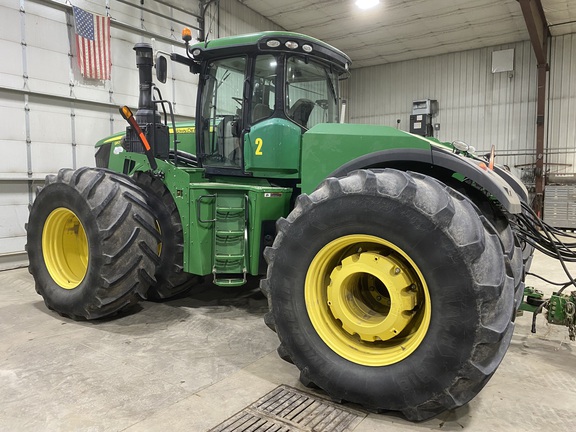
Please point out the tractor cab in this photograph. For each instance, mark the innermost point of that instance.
(257, 95)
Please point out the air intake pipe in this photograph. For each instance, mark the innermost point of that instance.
(147, 116)
(144, 63)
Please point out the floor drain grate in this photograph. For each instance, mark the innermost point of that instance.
(287, 409)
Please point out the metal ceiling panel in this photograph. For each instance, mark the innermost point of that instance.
(398, 30)
(561, 16)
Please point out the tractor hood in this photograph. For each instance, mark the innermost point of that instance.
(112, 145)
(339, 149)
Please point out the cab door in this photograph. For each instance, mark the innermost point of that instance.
(272, 143)
(221, 113)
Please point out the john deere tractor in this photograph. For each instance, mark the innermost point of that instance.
(389, 261)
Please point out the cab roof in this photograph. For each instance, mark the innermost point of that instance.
(260, 43)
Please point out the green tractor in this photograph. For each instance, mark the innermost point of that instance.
(389, 260)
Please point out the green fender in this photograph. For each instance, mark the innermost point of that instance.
(508, 190)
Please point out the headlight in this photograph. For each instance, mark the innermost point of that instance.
(460, 145)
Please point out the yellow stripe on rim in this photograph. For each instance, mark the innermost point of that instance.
(367, 300)
(65, 248)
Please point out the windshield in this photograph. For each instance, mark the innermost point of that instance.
(311, 92)
(222, 112)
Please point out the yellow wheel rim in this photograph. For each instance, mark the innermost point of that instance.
(65, 248)
(367, 300)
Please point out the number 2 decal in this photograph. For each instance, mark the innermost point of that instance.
(258, 147)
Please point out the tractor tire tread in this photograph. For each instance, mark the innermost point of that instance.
(478, 243)
(171, 279)
(118, 272)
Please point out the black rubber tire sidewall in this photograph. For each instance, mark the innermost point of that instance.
(119, 228)
(462, 260)
(69, 302)
(514, 250)
(450, 304)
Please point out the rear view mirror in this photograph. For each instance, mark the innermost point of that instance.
(161, 68)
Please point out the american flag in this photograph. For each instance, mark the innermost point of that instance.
(92, 44)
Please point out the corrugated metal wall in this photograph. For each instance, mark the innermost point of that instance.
(561, 148)
(235, 18)
(475, 105)
(52, 116)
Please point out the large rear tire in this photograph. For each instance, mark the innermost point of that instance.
(91, 243)
(390, 290)
(171, 280)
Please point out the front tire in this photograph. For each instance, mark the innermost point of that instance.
(391, 290)
(91, 243)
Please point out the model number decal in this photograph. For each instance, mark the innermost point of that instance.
(258, 147)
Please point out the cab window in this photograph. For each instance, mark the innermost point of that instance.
(311, 93)
(263, 88)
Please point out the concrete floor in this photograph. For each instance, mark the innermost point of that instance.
(189, 364)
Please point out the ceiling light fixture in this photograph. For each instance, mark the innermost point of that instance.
(367, 4)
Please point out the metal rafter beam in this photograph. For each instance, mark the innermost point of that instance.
(537, 27)
(538, 30)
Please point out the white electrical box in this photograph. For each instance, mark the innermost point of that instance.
(503, 60)
(425, 106)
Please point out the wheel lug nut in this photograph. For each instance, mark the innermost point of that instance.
(397, 270)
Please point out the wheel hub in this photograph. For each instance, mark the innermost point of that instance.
(372, 296)
(367, 300)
